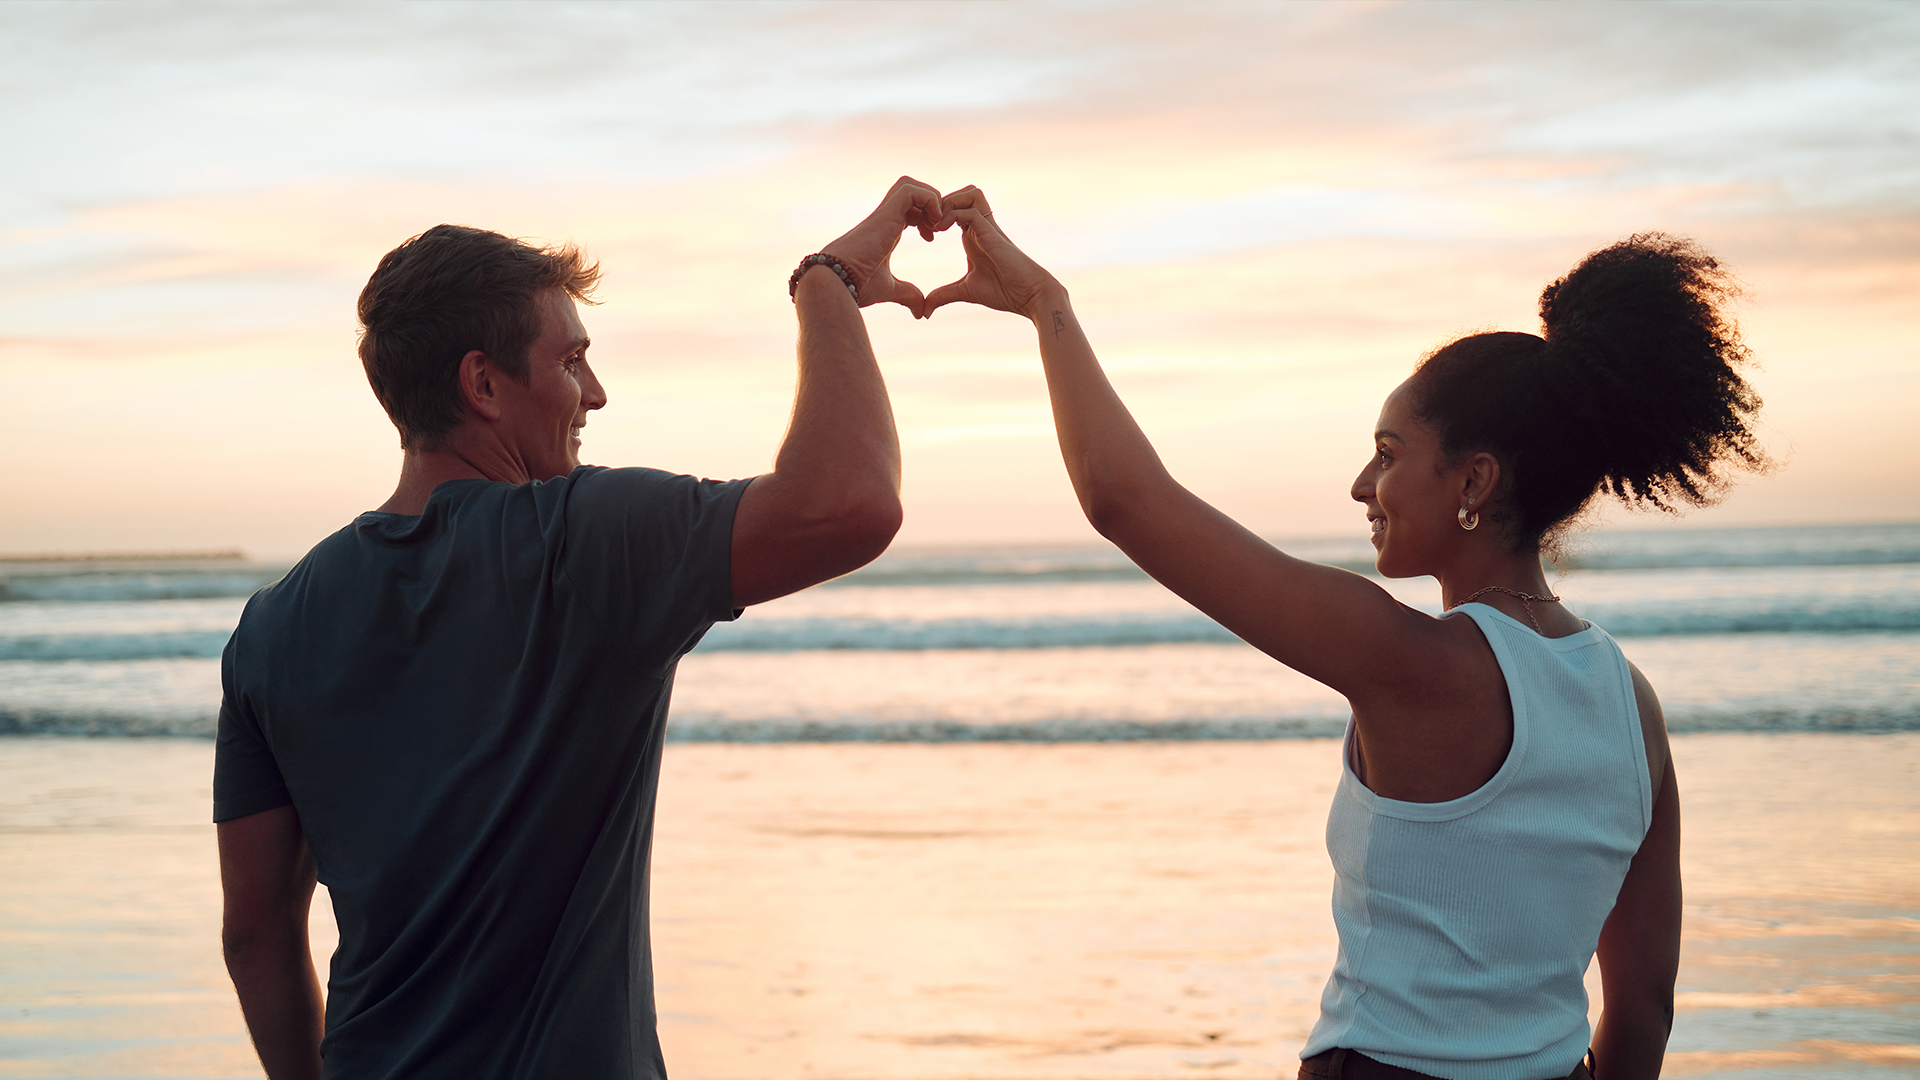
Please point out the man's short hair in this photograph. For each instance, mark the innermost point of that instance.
(443, 294)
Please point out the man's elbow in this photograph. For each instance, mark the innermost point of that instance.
(242, 948)
(846, 531)
(869, 525)
(247, 942)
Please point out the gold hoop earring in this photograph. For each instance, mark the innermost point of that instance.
(1469, 520)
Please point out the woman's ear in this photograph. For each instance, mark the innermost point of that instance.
(1481, 479)
(477, 385)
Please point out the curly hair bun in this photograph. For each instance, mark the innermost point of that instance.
(1645, 365)
(1633, 390)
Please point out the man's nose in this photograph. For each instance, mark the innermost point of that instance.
(592, 394)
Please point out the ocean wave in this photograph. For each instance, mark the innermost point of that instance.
(1801, 546)
(1834, 719)
(1815, 545)
(165, 645)
(109, 722)
(92, 585)
(1810, 615)
(1895, 614)
(1246, 729)
(794, 635)
(1037, 731)
(1822, 545)
(1709, 558)
(802, 635)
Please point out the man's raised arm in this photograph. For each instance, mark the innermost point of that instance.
(832, 502)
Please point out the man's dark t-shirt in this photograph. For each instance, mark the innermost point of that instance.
(466, 710)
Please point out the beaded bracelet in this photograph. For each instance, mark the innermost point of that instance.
(831, 262)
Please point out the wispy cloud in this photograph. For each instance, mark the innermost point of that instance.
(1266, 213)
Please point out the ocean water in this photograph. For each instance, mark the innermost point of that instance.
(1787, 629)
(1015, 813)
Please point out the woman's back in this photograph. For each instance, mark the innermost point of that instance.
(1466, 926)
(1491, 448)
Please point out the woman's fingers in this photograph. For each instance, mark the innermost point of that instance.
(981, 284)
(966, 198)
(953, 292)
(988, 245)
(999, 275)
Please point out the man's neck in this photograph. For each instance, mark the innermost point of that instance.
(423, 470)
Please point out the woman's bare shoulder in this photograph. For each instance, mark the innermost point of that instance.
(1653, 727)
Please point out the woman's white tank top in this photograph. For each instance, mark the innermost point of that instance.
(1466, 926)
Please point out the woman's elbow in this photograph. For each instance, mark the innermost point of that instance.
(1643, 1017)
(1114, 505)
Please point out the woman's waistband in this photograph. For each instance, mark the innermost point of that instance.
(1344, 1064)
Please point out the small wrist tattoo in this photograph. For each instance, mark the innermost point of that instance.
(1059, 324)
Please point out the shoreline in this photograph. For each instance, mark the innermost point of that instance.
(1019, 911)
(19, 725)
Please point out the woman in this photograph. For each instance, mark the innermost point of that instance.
(1508, 809)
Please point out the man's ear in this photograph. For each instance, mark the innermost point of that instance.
(478, 385)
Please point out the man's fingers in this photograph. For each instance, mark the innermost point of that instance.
(907, 295)
(917, 203)
(908, 204)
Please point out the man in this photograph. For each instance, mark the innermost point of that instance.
(451, 711)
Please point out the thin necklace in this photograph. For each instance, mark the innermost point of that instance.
(1526, 599)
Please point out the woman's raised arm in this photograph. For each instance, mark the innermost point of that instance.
(1329, 624)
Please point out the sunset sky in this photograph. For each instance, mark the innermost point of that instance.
(1266, 214)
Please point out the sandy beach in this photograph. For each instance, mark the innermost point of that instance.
(989, 910)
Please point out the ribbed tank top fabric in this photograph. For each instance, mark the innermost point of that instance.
(1466, 926)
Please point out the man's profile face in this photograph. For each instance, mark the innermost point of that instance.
(543, 425)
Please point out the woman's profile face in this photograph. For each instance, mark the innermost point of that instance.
(1412, 497)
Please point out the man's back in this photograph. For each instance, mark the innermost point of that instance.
(466, 710)
(451, 712)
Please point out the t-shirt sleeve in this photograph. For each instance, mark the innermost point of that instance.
(246, 779)
(653, 552)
